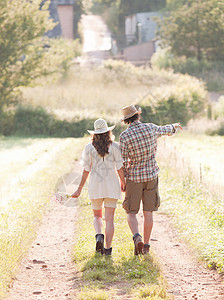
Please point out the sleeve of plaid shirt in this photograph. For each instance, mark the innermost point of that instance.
(163, 130)
(124, 153)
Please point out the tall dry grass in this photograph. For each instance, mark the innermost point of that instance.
(195, 155)
(102, 91)
(86, 94)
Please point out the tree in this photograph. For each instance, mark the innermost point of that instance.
(122, 8)
(127, 7)
(78, 11)
(25, 52)
(195, 29)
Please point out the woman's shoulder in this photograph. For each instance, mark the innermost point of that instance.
(89, 147)
(116, 145)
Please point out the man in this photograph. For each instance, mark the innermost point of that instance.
(138, 147)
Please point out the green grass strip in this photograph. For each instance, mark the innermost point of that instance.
(197, 214)
(122, 274)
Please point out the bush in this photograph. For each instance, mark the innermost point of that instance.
(28, 121)
(217, 131)
(219, 108)
(212, 72)
(165, 59)
(171, 97)
(170, 111)
(177, 101)
(6, 122)
(31, 121)
(63, 128)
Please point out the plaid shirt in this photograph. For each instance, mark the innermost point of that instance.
(138, 147)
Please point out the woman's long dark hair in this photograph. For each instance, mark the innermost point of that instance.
(102, 142)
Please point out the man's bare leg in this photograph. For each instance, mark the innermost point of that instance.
(133, 223)
(148, 224)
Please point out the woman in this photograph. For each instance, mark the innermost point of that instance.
(102, 158)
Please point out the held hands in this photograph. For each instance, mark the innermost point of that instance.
(177, 126)
(123, 186)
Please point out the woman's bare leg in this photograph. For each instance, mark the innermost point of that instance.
(109, 230)
(98, 222)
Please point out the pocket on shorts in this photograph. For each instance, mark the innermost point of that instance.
(125, 205)
(152, 185)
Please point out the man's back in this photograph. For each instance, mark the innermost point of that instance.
(138, 146)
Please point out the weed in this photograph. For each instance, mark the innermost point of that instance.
(152, 291)
(96, 294)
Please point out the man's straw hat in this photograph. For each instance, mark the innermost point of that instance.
(129, 111)
(100, 126)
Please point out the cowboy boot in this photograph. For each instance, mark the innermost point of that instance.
(100, 243)
(138, 244)
(108, 251)
(146, 249)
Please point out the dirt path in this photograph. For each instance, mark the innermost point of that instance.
(97, 36)
(47, 271)
(186, 277)
(96, 39)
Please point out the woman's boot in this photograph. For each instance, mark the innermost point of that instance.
(100, 243)
(108, 251)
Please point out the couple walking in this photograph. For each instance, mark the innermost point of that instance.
(134, 163)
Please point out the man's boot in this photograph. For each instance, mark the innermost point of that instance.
(138, 244)
(146, 249)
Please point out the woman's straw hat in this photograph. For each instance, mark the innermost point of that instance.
(100, 126)
(129, 111)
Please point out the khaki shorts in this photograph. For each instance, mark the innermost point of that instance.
(97, 204)
(146, 191)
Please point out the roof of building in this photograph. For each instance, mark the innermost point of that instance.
(65, 2)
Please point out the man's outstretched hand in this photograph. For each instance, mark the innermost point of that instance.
(177, 126)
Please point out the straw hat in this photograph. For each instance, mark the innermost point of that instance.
(129, 111)
(100, 126)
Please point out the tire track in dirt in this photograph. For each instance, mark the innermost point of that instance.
(48, 272)
(187, 278)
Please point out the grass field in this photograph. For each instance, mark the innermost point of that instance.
(198, 154)
(30, 169)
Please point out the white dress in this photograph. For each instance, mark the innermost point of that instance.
(103, 180)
